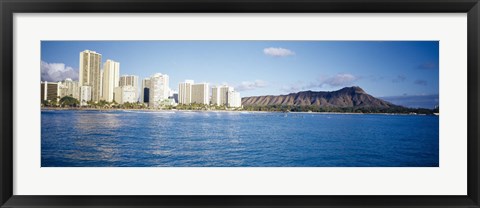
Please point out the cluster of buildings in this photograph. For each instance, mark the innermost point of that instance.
(95, 85)
(190, 92)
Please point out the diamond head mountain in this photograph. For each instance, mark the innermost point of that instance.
(348, 99)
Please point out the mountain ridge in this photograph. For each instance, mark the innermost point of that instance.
(346, 97)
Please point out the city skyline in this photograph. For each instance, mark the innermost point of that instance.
(398, 69)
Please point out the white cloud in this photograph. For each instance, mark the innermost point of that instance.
(278, 52)
(332, 82)
(247, 85)
(54, 72)
(340, 80)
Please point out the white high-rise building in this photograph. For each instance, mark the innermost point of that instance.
(85, 94)
(200, 93)
(233, 99)
(185, 92)
(224, 94)
(215, 96)
(70, 88)
(130, 80)
(111, 74)
(125, 94)
(145, 91)
(89, 72)
(101, 84)
(159, 89)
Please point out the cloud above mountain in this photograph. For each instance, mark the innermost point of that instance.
(249, 85)
(340, 80)
(335, 81)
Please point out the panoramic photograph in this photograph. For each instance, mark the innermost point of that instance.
(239, 103)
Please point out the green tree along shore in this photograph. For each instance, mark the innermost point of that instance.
(70, 102)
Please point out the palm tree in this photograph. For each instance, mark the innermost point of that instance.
(69, 101)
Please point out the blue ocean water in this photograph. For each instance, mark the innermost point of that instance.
(236, 139)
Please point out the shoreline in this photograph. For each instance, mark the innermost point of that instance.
(225, 111)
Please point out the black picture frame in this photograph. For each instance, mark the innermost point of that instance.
(10, 7)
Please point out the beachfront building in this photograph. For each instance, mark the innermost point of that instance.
(226, 96)
(85, 95)
(185, 92)
(50, 91)
(158, 90)
(223, 97)
(69, 88)
(130, 80)
(215, 100)
(111, 74)
(199, 93)
(101, 84)
(89, 72)
(125, 94)
(233, 99)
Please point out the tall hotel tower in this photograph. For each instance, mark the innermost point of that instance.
(111, 74)
(89, 73)
(233, 99)
(159, 89)
(185, 92)
(216, 96)
(129, 80)
(226, 96)
(200, 93)
(132, 81)
(224, 90)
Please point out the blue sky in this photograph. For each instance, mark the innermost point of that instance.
(382, 68)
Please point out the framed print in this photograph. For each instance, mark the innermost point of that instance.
(245, 104)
